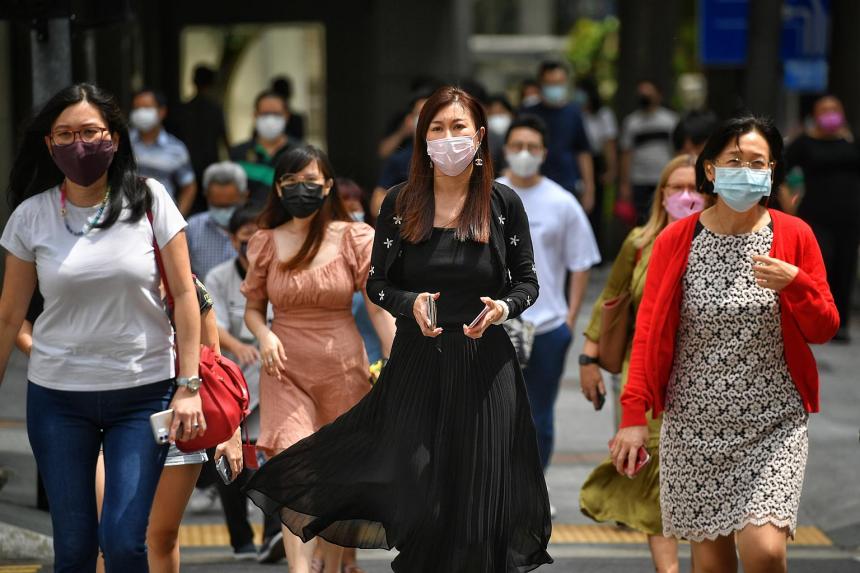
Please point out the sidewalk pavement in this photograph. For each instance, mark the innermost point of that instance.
(829, 511)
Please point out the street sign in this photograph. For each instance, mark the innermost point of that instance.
(723, 32)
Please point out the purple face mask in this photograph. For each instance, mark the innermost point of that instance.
(831, 121)
(83, 163)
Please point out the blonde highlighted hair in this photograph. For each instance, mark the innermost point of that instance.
(659, 218)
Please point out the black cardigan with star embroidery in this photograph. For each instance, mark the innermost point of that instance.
(510, 240)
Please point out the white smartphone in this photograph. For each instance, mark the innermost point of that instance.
(224, 470)
(480, 317)
(161, 422)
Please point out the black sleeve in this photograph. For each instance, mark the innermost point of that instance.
(794, 153)
(523, 291)
(204, 299)
(380, 290)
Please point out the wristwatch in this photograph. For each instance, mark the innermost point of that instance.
(585, 360)
(192, 383)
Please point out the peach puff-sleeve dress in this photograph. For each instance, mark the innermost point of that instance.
(327, 370)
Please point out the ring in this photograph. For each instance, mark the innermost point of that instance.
(195, 426)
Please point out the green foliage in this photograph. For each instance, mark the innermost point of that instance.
(593, 51)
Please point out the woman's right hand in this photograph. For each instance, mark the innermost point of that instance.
(272, 355)
(591, 382)
(420, 312)
(624, 448)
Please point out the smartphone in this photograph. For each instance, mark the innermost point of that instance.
(431, 311)
(480, 317)
(224, 470)
(160, 423)
(601, 400)
(642, 459)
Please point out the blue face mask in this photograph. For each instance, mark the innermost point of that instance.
(221, 215)
(741, 187)
(555, 94)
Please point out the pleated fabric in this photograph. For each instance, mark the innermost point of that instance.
(439, 460)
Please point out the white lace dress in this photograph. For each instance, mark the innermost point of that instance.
(734, 442)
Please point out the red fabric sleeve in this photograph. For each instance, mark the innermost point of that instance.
(808, 296)
(638, 395)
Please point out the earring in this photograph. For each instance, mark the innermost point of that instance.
(478, 161)
(431, 164)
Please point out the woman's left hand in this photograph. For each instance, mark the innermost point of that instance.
(232, 448)
(773, 273)
(188, 420)
(494, 313)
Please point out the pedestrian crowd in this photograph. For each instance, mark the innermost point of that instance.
(402, 349)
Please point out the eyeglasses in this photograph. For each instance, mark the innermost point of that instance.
(681, 188)
(289, 179)
(87, 135)
(533, 148)
(755, 165)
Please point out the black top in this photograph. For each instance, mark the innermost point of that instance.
(831, 173)
(396, 168)
(437, 264)
(510, 250)
(200, 125)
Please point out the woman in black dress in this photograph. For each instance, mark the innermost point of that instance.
(830, 159)
(440, 460)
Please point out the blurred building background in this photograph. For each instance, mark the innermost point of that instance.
(353, 64)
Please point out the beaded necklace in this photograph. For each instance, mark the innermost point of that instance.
(90, 222)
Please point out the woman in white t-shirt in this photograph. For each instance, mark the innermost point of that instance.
(102, 359)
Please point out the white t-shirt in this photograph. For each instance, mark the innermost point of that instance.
(562, 240)
(600, 127)
(103, 326)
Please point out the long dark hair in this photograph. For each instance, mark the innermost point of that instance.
(275, 215)
(34, 170)
(730, 131)
(416, 203)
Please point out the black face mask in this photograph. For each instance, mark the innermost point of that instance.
(302, 199)
(644, 101)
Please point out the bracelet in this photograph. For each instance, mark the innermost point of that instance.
(506, 310)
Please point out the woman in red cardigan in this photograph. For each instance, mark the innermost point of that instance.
(733, 298)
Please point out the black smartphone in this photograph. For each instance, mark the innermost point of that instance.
(601, 400)
(224, 470)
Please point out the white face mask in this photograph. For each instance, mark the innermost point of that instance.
(144, 118)
(524, 164)
(270, 126)
(499, 123)
(452, 154)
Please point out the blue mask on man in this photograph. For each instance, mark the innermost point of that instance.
(554, 94)
(221, 215)
(742, 187)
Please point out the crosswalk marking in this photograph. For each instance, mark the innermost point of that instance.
(216, 535)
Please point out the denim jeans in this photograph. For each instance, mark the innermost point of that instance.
(66, 430)
(543, 376)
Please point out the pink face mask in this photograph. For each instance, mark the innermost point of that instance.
(830, 121)
(452, 155)
(683, 204)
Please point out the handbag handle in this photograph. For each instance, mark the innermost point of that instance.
(159, 261)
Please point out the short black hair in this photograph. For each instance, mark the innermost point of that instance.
(159, 96)
(550, 65)
(242, 216)
(529, 121)
(500, 99)
(730, 131)
(697, 126)
(283, 86)
(204, 77)
(475, 89)
(269, 94)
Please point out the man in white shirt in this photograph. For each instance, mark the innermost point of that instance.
(563, 242)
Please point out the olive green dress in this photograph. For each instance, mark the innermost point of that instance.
(607, 495)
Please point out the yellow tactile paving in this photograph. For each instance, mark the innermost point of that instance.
(20, 568)
(217, 536)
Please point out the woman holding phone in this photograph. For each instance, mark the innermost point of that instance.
(733, 298)
(102, 359)
(440, 459)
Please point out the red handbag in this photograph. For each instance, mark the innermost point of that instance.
(223, 389)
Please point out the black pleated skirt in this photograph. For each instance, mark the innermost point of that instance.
(439, 460)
